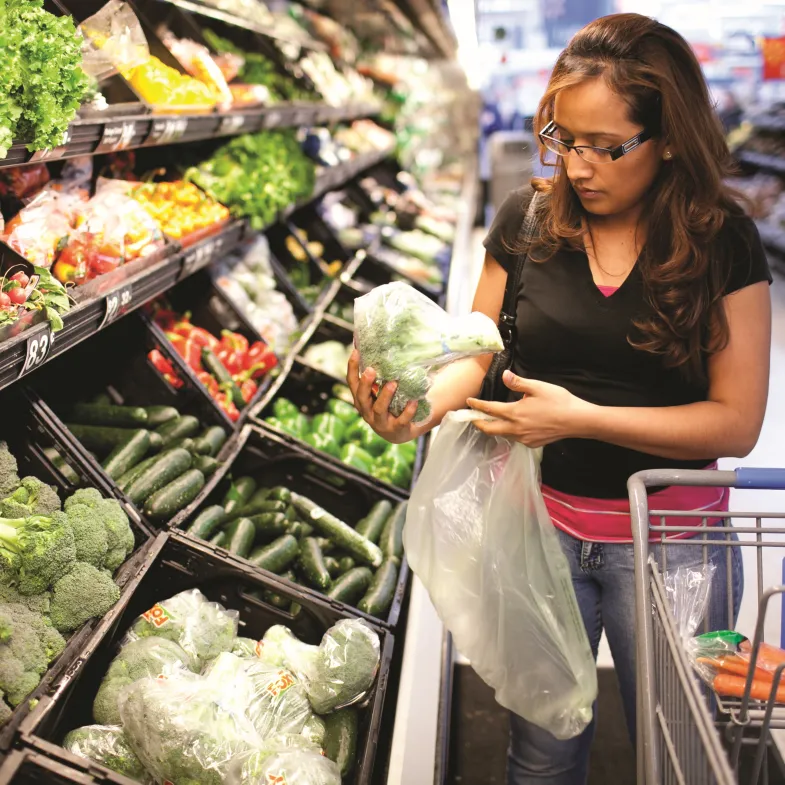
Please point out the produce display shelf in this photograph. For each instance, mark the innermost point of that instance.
(769, 123)
(773, 162)
(773, 237)
(91, 136)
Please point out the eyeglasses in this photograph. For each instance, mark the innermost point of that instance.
(549, 136)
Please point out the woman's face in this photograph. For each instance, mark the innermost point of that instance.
(589, 113)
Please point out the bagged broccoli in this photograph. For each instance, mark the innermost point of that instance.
(203, 628)
(183, 730)
(290, 767)
(246, 647)
(108, 746)
(247, 768)
(404, 336)
(315, 731)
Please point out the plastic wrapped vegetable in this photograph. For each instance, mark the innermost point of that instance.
(247, 768)
(203, 628)
(107, 745)
(404, 337)
(293, 767)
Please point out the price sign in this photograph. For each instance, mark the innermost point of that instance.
(53, 153)
(303, 117)
(38, 348)
(201, 255)
(166, 130)
(117, 304)
(231, 124)
(271, 119)
(117, 135)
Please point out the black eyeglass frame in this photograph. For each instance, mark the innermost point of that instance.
(616, 152)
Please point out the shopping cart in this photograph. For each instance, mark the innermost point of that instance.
(686, 735)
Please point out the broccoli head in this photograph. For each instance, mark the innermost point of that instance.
(9, 595)
(80, 595)
(245, 647)
(89, 496)
(5, 711)
(108, 746)
(32, 497)
(9, 477)
(289, 764)
(35, 552)
(89, 534)
(119, 535)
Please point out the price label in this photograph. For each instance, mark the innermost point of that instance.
(272, 119)
(53, 153)
(303, 117)
(117, 304)
(166, 130)
(38, 348)
(231, 124)
(116, 136)
(201, 255)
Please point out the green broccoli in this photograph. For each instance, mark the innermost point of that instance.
(120, 536)
(5, 711)
(32, 497)
(35, 552)
(89, 534)
(138, 659)
(89, 496)
(82, 594)
(245, 647)
(9, 477)
(39, 603)
(108, 746)
(288, 765)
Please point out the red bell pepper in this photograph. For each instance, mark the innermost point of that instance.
(233, 360)
(177, 341)
(225, 402)
(165, 368)
(193, 355)
(235, 341)
(205, 338)
(248, 389)
(209, 381)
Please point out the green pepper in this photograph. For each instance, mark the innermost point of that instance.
(342, 410)
(370, 441)
(274, 422)
(354, 431)
(297, 425)
(324, 442)
(399, 452)
(382, 473)
(410, 449)
(353, 455)
(329, 425)
(284, 409)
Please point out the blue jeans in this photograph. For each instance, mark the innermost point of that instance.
(602, 574)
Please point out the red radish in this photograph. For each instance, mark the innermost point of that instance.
(21, 277)
(5, 300)
(18, 296)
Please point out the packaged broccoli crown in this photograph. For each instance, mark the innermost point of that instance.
(289, 767)
(106, 744)
(405, 337)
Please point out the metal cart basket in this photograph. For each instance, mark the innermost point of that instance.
(686, 735)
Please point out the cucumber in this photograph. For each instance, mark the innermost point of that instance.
(169, 466)
(296, 529)
(325, 543)
(97, 438)
(156, 441)
(211, 440)
(158, 415)
(291, 514)
(240, 535)
(109, 415)
(124, 481)
(186, 444)
(269, 525)
(165, 503)
(181, 428)
(206, 464)
(238, 494)
(208, 520)
(265, 506)
(280, 494)
(276, 556)
(339, 532)
(340, 743)
(379, 596)
(312, 564)
(126, 455)
(62, 466)
(372, 525)
(333, 566)
(289, 575)
(345, 564)
(391, 541)
(215, 367)
(103, 398)
(218, 539)
(271, 598)
(351, 586)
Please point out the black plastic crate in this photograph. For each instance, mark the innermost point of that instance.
(116, 361)
(174, 564)
(264, 454)
(310, 389)
(327, 329)
(27, 767)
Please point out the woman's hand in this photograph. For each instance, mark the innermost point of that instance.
(376, 411)
(546, 413)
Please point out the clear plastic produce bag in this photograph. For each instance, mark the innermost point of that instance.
(108, 745)
(405, 337)
(480, 539)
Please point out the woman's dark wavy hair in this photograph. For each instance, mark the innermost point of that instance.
(684, 265)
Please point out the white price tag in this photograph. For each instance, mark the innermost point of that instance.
(271, 119)
(55, 152)
(201, 255)
(117, 135)
(117, 304)
(166, 130)
(38, 348)
(231, 124)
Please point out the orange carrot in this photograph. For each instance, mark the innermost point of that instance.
(733, 686)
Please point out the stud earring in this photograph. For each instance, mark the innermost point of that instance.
(668, 155)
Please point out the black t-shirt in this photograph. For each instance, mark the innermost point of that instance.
(571, 335)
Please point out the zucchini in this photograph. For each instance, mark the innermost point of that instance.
(158, 415)
(276, 556)
(379, 596)
(181, 428)
(126, 479)
(165, 503)
(206, 464)
(391, 541)
(156, 441)
(126, 455)
(208, 520)
(346, 563)
(218, 539)
(351, 586)
(372, 525)
(340, 742)
(312, 564)
(269, 525)
(109, 415)
(280, 494)
(238, 494)
(333, 566)
(169, 466)
(340, 533)
(215, 367)
(97, 438)
(240, 535)
(211, 441)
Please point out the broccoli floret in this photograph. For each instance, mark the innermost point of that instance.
(39, 603)
(108, 746)
(32, 497)
(35, 552)
(89, 534)
(20, 615)
(9, 477)
(5, 711)
(119, 535)
(89, 496)
(245, 647)
(84, 593)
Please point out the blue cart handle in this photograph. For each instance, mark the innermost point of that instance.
(761, 479)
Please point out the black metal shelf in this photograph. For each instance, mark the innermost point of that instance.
(772, 162)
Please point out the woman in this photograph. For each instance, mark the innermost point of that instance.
(643, 329)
